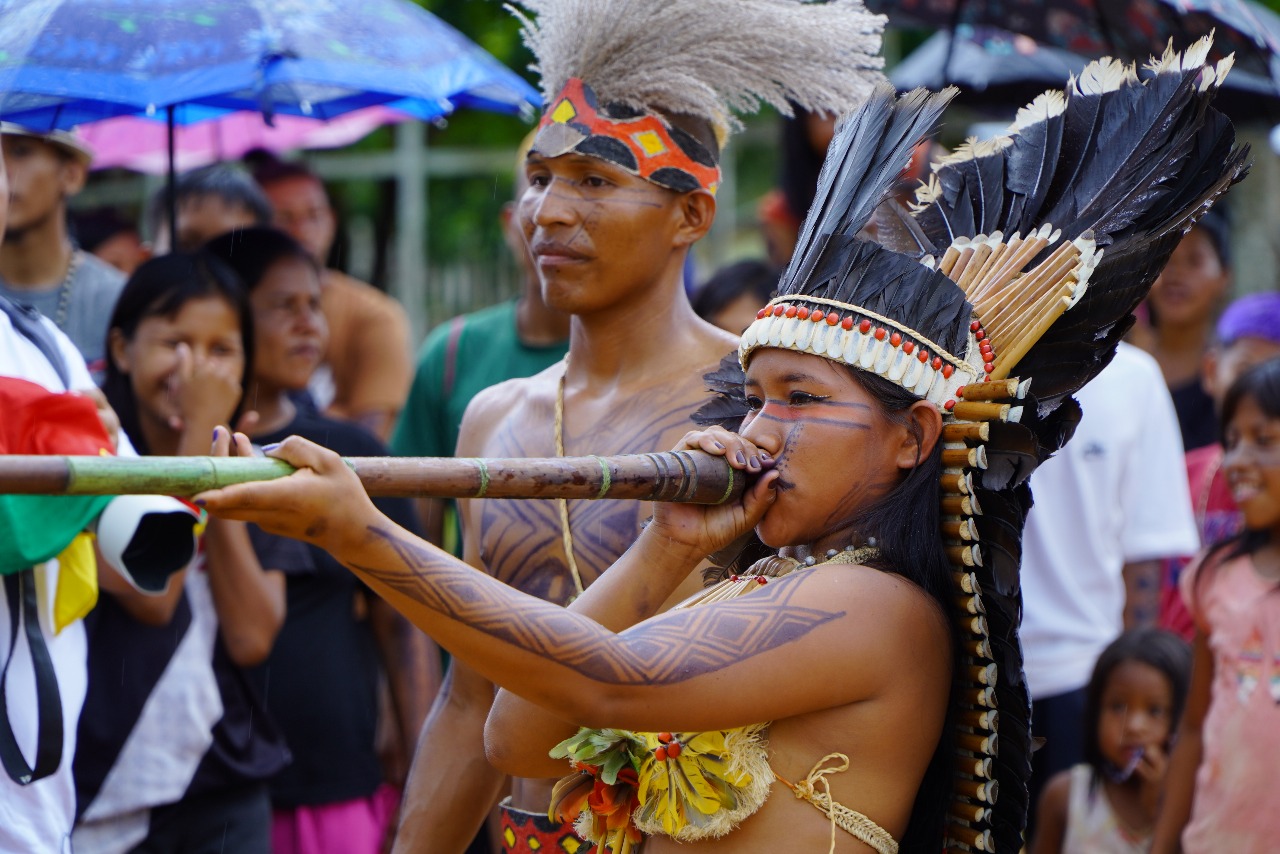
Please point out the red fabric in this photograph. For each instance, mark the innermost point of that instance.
(527, 833)
(38, 421)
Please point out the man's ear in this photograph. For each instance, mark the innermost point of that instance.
(697, 210)
(924, 427)
(73, 175)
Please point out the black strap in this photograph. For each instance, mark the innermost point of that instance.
(26, 321)
(20, 591)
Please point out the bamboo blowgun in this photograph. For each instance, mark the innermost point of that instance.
(691, 477)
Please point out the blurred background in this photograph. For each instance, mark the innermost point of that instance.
(419, 202)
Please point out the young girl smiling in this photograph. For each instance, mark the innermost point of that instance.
(174, 748)
(1228, 745)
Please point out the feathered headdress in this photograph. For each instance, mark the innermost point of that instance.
(618, 75)
(1002, 291)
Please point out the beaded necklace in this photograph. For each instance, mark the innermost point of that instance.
(64, 290)
(776, 566)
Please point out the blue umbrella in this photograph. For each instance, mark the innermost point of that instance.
(65, 62)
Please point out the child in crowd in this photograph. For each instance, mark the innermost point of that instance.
(174, 746)
(731, 297)
(321, 680)
(1248, 334)
(1107, 805)
(1229, 742)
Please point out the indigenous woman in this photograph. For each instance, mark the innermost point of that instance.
(847, 690)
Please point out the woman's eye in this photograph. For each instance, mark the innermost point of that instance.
(595, 181)
(799, 398)
(539, 180)
(754, 404)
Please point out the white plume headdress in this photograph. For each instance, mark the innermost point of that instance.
(707, 58)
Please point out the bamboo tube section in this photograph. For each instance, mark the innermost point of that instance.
(682, 476)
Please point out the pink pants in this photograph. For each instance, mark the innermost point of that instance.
(347, 827)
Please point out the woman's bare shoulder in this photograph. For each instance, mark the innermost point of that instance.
(884, 612)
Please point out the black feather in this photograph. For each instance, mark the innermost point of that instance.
(1013, 453)
(974, 190)
(1030, 164)
(863, 161)
(865, 274)
(728, 406)
(898, 230)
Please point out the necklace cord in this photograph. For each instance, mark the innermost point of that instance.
(562, 504)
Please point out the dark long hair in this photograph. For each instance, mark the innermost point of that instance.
(744, 278)
(906, 524)
(160, 288)
(1157, 648)
(251, 252)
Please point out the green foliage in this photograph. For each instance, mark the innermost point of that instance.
(493, 28)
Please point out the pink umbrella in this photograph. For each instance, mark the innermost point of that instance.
(141, 144)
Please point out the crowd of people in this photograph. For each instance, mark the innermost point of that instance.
(282, 691)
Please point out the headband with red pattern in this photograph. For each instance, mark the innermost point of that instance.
(640, 143)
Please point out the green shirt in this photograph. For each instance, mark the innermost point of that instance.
(458, 360)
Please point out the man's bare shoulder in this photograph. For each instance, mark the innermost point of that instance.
(699, 355)
(522, 399)
(367, 302)
(714, 343)
(515, 394)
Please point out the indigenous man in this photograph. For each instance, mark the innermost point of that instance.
(461, 358)
(622, 175)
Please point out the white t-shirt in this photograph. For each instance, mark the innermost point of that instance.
(1117, 493)
(38, 817)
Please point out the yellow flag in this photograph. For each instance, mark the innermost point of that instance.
(77, 591)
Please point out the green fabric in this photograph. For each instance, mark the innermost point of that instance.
(36, 528)
(488, 351)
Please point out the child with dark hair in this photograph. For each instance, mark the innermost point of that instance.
(173, 745)
(1221, 794)
(731, 297)
(1107, 804)
(337, 641)
(1248, 334)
